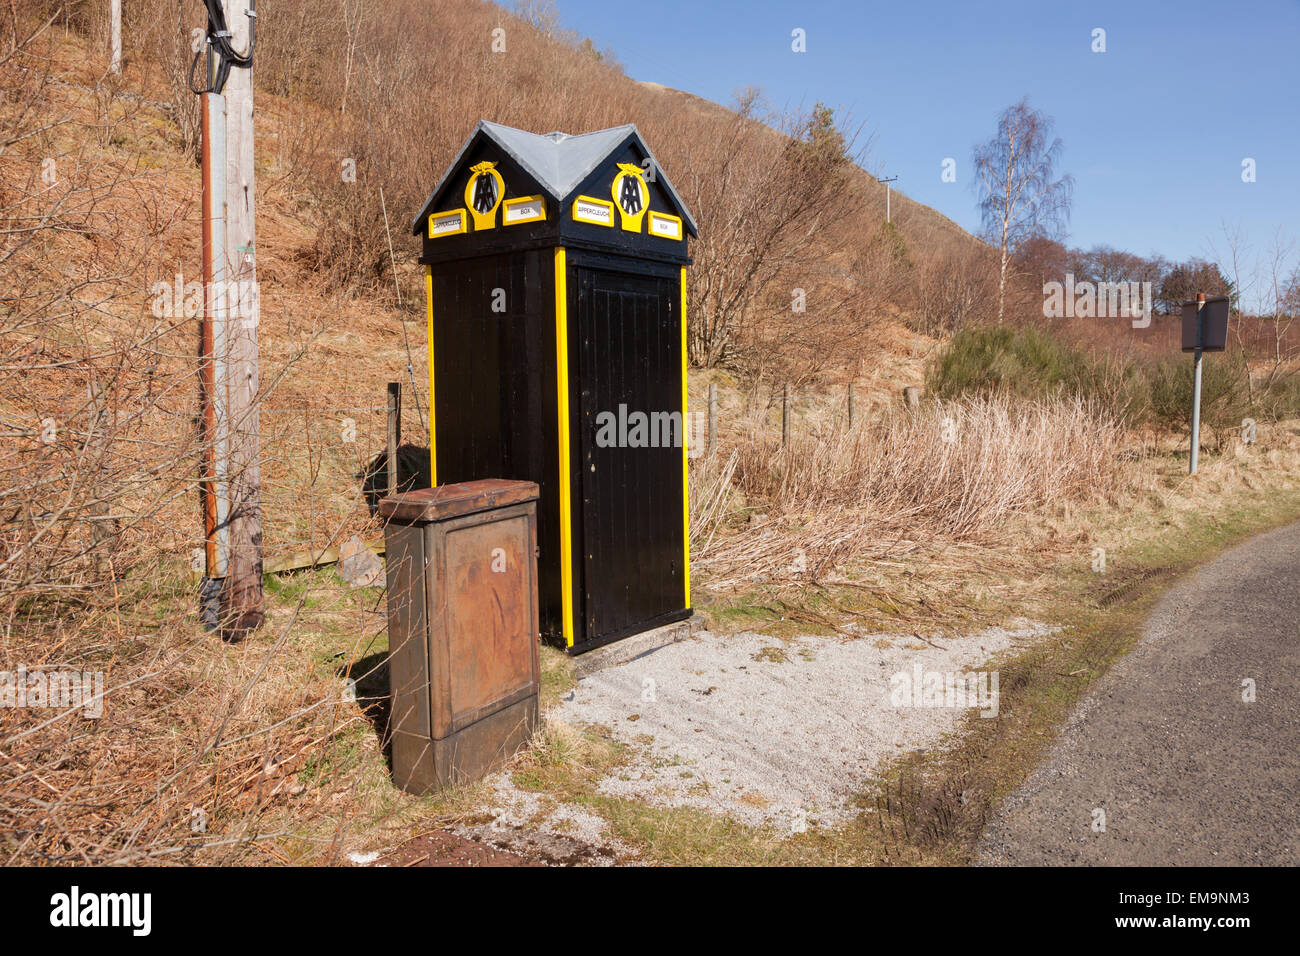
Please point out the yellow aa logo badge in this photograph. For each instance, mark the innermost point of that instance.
(483, 194)
(631, 195)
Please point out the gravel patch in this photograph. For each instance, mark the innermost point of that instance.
(774, 732)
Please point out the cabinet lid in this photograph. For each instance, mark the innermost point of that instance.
(454, 500)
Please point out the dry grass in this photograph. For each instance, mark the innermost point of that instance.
(203, 753)
(952, 471)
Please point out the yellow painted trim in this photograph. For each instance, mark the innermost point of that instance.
(686, 473)
(595, 202)
(666, 217)
(442, 215)
(562, 386)
(433, 418)
(519, 201)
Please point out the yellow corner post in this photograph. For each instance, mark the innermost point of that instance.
(686, 475)
(562, 386)
(433, 418)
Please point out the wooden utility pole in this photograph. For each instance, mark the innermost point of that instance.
(115, 15)
(229, 373)
(242, 602)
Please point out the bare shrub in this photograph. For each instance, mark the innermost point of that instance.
(954, 285)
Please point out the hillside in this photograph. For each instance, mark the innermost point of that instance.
(340, 314)
(918, 222)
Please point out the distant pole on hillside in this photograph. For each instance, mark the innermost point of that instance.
(887, 181)
(115, 15)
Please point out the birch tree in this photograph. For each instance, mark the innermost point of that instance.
(115, 40)
(1021, 195)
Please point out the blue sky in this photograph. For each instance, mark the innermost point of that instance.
(1155, 129)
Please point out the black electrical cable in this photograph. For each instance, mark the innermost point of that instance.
(218, 39)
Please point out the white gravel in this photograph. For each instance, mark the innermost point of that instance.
(769, 731)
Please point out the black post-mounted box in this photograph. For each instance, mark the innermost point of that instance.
(1205, 328)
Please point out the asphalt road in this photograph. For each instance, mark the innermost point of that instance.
(1186, 771)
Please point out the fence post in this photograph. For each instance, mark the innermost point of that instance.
(394, 432)
(853, 406)
(785, 415)
(713, 417)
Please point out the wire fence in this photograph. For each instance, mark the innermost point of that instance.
(325, 465)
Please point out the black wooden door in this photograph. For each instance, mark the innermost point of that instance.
(629, 379)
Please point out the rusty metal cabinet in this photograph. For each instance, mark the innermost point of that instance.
(462, 628)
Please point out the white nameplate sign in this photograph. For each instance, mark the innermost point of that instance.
(668, 227)
(524, 209)
(595, 211)
(447, 223)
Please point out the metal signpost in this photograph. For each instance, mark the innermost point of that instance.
(1205, 329)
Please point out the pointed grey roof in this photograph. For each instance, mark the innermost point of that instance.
(558, 161)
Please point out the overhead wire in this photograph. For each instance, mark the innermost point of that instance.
(217, 43)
